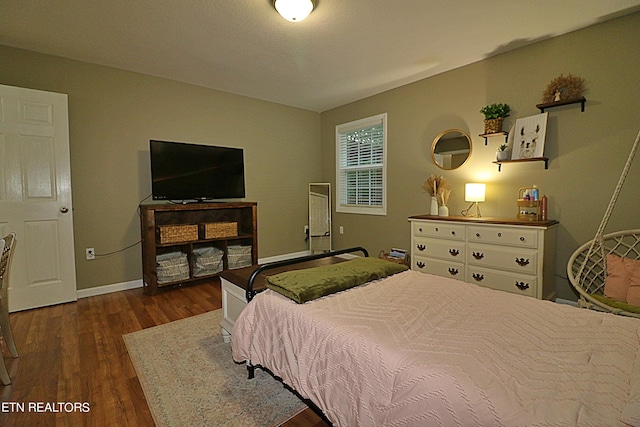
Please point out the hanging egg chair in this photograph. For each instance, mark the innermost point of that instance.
(587, 267)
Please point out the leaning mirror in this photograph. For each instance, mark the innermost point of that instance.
(319, 217)
(451, 149)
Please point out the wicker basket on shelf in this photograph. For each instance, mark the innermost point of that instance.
(218, 230)
(172, 267)
(207, 260)
(239, 256)
(177, 233)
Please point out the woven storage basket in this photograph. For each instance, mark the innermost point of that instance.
(207, 261)
(217, 230)
(238, 256)
(493, 125)
(172, 267)
(177, 233)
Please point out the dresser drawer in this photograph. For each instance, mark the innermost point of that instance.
(439, 230)
(439, 248)
(503, 281)
(512, 259)
(438, 267)
(504, 236)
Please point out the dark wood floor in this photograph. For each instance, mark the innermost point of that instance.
(74, 353)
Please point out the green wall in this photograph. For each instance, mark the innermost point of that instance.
(114, 113)
(112, 116)
(587, 150)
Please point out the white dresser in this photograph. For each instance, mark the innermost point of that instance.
(506, 254)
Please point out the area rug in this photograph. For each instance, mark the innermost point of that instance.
(189, 378)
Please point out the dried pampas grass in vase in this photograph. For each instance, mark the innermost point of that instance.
(437, 186)
(443, 196)
(431, 184)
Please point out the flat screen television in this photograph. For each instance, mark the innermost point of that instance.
(181, 171)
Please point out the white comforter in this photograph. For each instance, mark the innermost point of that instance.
(422, 350)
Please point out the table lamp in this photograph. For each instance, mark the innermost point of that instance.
(474, 192)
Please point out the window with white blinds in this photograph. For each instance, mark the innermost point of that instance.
(361, 166)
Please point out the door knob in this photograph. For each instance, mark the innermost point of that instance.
(64, 209)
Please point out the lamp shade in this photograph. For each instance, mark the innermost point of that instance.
(474, 192)
(294, 10)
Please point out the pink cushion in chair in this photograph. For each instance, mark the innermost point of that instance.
(633, 270)
(617, 284)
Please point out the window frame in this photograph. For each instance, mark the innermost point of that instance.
(341, 188)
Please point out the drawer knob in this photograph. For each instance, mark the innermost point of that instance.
(420, 264)
(478, 255)
(453, 233)
(499, 234)
(437, 229)
(478, 235)
(522, 238)
(478, 277)
(522, 285)
(453, 271)
(522, 262)
(420, 229)
(454, 252)
(421, 247)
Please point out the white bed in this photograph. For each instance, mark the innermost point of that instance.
(423, 350)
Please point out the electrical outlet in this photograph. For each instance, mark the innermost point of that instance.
(341, 230)
(90, 253)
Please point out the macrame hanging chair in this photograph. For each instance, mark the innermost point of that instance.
(587, 269)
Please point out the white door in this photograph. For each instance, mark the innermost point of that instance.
(35, 196)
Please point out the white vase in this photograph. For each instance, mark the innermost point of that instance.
(443, 211)
(434, 206)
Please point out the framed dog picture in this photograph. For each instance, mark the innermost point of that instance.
(529, 135)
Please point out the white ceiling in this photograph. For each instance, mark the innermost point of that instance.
(346, 50)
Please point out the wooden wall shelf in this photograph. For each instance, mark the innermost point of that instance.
(490, 135)
(534, 159)
(545, 105)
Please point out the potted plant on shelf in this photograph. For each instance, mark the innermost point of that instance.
(494, 115)
(502, 154)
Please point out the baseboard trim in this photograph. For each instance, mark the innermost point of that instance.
(107, 289)
(133, 284)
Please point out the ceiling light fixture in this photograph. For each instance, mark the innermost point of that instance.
(294, 10)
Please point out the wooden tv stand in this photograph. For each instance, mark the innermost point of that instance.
(155, 218)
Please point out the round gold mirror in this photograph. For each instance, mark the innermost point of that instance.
(451, 149)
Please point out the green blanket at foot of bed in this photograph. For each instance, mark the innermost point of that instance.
(309, 284)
